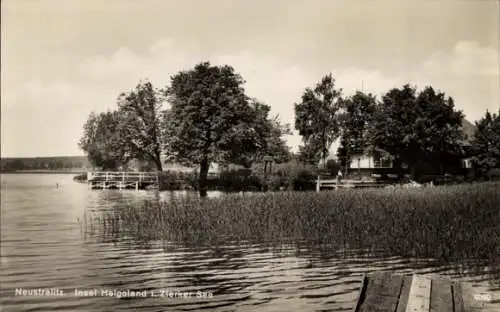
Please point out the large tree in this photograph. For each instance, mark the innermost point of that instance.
(413, 127)
(266, 138)
(315, 115)
(102, 141)
(140, 110)
(212, 120)
(357, 112)
(486, 144)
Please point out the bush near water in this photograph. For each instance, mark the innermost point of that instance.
(286, 176)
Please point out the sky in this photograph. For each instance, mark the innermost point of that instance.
(62, 59)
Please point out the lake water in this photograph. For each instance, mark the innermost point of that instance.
(43, 245)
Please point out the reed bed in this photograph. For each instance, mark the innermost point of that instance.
(451, 223)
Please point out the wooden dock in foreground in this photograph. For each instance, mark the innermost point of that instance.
(122, 180)
(385, 292)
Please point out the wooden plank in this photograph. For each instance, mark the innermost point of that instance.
(473, 300)
(441, 299)
(382, 293)
(361, 293)
(420, 293)
(458, 301)
(392, 293)
(405, 292)
(328, 181)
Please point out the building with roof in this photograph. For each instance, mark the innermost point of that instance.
(376, 160)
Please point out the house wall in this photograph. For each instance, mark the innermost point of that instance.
(381, 163)
(368, 162)
(361, 161)
(467, 163)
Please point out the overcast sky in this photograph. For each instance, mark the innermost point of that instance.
(62, 59)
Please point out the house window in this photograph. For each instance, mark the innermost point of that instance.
(355, 163)
(381, 160)
(466, 163)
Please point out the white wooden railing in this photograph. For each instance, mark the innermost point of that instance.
(122, 176)
(344, 183)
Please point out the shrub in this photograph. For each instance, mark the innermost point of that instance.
(177, 180)
(494, 174)
(333, 167)
(82, 177)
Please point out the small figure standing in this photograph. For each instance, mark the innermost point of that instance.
(339, 176)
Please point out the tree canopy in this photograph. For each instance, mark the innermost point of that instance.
(310, 152)
(357, 113)
(211, 119)
(315, 116)
(270, 131)
(412, 127)
(486, 144)
(141, 118)
(102, 141)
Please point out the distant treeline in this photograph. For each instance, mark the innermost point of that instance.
(44, 163)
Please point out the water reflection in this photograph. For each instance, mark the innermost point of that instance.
(45, 244)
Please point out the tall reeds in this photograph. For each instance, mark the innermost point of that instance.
(451, 223)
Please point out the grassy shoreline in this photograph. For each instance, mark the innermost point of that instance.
(456, 224)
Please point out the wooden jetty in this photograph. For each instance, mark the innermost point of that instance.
(122, 180)
(329, 183)
(385, 292)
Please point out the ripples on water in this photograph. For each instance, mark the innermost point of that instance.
(45, 246)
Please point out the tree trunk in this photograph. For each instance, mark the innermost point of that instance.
(347, 161)
(159, 170)
(157, 162)
(324, 149)
(203, 185)
(397, 167)
(414, 167)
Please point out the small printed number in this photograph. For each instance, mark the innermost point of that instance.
(482, 297)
